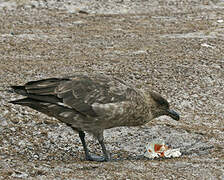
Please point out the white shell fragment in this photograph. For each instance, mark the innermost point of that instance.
(157, 149)
(206, 45)
(172, 153)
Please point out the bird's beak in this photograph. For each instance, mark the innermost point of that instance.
(173, 115)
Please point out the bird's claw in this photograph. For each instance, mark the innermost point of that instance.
(97, 158)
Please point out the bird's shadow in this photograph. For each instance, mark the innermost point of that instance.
(121, 157)
(136, 158)
(129, 158)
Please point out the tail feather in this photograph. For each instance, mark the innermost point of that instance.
(19, 90)
(45, 83)
(34, 94)
(21, 101)
(23, 90)
(60, 112)
(42, 90)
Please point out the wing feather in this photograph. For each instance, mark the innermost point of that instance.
(78, 92)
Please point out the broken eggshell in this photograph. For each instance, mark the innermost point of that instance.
(158, 148)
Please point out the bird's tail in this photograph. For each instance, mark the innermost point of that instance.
(23, 102)
(44, 107)
(19, 90)
(60, 112)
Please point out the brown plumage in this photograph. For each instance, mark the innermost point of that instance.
(93, 103)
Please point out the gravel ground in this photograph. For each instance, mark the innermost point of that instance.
(173, 47)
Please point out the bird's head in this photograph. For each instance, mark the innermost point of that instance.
(161, 107)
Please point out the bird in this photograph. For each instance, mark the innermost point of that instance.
(91, 103)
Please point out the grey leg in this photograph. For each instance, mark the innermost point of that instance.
(105, 153)
(82, 137)
(93, 157)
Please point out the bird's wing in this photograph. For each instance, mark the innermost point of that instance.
(79, 92)
(84, 91)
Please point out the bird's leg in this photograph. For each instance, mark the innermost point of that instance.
(82, 137)
(105, 153)
(88, 156)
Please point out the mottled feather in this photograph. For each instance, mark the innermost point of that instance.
(93, 103)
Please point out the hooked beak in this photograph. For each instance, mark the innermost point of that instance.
(173, 115)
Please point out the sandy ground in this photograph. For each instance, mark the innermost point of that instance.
(173, 47)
